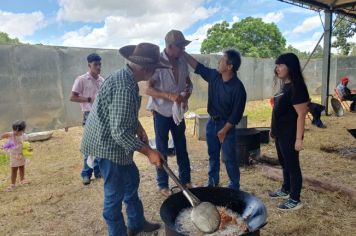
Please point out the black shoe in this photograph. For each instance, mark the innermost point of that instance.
(98, 176)
(290, 205)
(320, 124)
(279, 194)
(147, 227)
(86, 180)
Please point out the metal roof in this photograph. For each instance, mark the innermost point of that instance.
(345, 7)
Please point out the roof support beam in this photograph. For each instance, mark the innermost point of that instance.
(346, 5)
(326, 61)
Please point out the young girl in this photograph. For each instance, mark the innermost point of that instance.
(17, 160)
(288, 118)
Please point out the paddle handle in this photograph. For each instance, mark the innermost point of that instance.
(194, 201)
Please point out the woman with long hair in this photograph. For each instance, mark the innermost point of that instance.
(287, 128)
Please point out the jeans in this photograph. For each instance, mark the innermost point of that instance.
(87, 171)
(230, 157)
(85, 117)
(162, 126)
(121, 185)
(289, 160)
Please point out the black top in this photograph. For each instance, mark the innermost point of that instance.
(284, 116)
(226, 100)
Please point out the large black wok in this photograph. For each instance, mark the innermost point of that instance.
(245, 204)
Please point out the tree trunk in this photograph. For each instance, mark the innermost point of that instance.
(267, 160)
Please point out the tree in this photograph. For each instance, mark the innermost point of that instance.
(305, 55)
(319, 52)
(218, 37)
(300, 54)
(251, 36)
(5, 39)
(353, 52)
(345, 27)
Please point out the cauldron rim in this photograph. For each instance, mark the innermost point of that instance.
(352, 132)
(247, 131)
(261, 128)
(247, 196)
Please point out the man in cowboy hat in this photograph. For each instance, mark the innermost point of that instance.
(166, 87)
(113, 133)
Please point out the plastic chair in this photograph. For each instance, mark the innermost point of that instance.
(343, 102)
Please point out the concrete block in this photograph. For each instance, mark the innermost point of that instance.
(202, 120)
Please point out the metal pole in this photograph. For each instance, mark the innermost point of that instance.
(311, 54)
(326, 60)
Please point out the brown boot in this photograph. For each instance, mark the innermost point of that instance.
(147, 227)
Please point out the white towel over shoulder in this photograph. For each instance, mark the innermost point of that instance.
(179, 110)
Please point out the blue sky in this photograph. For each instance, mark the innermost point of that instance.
(114, 23)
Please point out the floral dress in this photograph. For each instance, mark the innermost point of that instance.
(16, 157)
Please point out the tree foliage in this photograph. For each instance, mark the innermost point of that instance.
(345, 28)
(5, 39)
(305, 55)
(251, 36)
(353, 52)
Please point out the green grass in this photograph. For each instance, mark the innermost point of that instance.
(259, 112)
(201, 111)
(4, 161)
(256, 111)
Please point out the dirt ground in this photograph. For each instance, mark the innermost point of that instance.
(56, 202)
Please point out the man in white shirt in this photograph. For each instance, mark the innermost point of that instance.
(166, 87)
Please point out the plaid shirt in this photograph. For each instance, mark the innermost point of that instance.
(110, 131)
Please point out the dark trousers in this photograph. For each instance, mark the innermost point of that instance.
(162, 127)
(351, 97)
(316, 109)
(289, 160)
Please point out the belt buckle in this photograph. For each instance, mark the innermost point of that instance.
(215, 118)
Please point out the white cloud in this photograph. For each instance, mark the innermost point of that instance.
(308, 45)
(308, 24)
(98, 11)
(286, 33)
(235, 19)
(21, 24)
(200, 34)
(298, 10)
(119, 30)
(198, 37)
(352, 40)
(274, 17)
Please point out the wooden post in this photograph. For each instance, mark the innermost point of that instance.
(314, 183)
